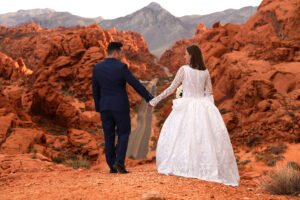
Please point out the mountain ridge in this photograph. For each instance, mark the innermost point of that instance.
(158, 26)
(47, 18)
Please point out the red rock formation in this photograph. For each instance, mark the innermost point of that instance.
(10, 164)
(273, 32)
(20, 140)
(46, 86)
(200, 29)
(255, 71)
(84, 142)
(62, 61)
(11, 69)
(138, 52)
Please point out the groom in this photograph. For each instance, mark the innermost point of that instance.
(111, 100)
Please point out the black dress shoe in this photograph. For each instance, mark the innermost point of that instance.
(113, 171)
(121, 168)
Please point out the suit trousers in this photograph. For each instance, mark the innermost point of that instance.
(116, 122)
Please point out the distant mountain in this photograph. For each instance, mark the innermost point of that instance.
(22, 16)
(233, 16)
(47, 18)
(159, 28)
(56, 19)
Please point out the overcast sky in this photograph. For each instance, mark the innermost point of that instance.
(110, 9)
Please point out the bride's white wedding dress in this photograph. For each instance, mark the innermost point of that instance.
(194, 141)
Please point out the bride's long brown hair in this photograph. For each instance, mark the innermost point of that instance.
(196, 61)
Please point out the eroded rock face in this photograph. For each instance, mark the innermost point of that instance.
(62, 60)
(12, 69)
(20, 140)
(84, 142)
(273, 32)
(255, 71)
(25, 163)
(46, 92)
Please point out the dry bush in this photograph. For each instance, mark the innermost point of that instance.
(284, 180)
(80, 163)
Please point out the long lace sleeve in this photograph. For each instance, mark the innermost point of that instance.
(208, 89)
(176, 82)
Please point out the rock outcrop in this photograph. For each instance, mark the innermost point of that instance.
(46, 90)
(255, 71)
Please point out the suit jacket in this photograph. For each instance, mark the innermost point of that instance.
(109, 86)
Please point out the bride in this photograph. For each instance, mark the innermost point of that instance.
(194, 141)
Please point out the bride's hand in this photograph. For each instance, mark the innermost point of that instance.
(149, 105)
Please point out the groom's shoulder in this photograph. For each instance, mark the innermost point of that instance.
(108, 63)
(111, 61)
(97, 66)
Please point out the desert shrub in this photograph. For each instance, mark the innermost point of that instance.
(93, 131)
(283, 181)
(253, 140)
(80, 163)
(66, 92)
(277, 149)
(154, 145)
(271, 162)
(34, 151)
(271, 154)
(223, 111)
(158, 124)
(293, 165)
(34, 156)
(58, 160)
(244, 162)
(72, 157)
(58, 132)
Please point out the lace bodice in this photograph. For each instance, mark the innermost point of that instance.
(195, 84)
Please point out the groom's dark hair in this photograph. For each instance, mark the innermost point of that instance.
(114, 46)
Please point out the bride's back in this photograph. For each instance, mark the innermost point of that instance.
(195, 82)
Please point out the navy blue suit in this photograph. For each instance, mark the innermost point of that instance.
(111, 100)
